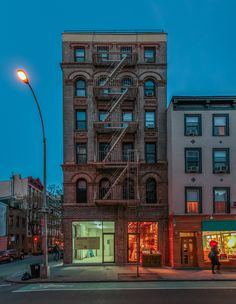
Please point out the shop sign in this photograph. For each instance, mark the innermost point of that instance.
(87, 243)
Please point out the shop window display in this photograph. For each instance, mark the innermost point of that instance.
(148, 232)
(226, 242)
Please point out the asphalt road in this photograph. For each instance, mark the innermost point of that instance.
(19, 266)
(125, 293)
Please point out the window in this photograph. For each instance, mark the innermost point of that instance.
(150, 152)
(149, 55)
(220, 124)
(127, 116)
(104, 186)
(103, 91)
(81, 120)
(149, 88)
(126, 82)
(80, 88)
(128, 189)
(81, 191)
(80, 54)
(81, 153)
(193, 160)
(151, 191)
(102, 115)
(150, 121)
(125, 50)
(193, 200)
(17, 221)
(10, 220)
(128, 152)
(221, 200)
(103, 149)
(23, 222)
(220, 160)
(103, 53)
(192, 125)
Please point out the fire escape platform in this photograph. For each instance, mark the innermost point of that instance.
(110, 127)
(113, 57)
(116, 202)
(101, 93)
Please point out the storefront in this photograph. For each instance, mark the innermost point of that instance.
(93, 242)
(148, 240)
(224, 234)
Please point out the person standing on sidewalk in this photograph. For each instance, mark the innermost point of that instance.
(56, 252)
(213, 256)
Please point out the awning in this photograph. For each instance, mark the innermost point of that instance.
(219, 225)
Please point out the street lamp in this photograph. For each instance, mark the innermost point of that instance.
(21, 74)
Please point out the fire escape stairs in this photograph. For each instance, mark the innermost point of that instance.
(116, 70)
(115, 179)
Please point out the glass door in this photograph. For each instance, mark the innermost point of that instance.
(108, 248)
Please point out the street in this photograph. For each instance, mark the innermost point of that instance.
(136, 292)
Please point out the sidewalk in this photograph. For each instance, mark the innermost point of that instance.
(73, 274)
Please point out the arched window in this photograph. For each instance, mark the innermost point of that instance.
(80, 88)
(82, 191)
(104, 186)
(128, 189)
(149, 88)
(151, 191)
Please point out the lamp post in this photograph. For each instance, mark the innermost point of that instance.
(21, 74)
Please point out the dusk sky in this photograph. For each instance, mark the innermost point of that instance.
(201, 61)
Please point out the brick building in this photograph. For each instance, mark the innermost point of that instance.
(115, 169)
(201, 179)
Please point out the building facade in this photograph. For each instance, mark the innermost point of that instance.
(115, 169)
(23, 198)
(201, 176)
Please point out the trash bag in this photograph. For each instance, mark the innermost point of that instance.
(26, 276)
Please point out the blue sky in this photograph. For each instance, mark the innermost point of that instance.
(201, 61)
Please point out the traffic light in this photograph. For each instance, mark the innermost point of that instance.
(36, 238)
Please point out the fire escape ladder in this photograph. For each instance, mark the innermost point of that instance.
(116, 137)
(115, 104)
(115, 182)
(116, 70)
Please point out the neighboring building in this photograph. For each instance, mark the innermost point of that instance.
(115, 169)
(201, 179)
(23, 197)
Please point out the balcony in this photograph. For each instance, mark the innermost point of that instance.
(108, 93)
(110, 126)
(116, 158)
(109, 58)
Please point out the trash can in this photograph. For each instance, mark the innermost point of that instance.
(35, 270)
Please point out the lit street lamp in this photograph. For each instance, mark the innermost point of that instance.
(45, 271)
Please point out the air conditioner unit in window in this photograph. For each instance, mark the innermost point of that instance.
(221, 169)
(193, 169)
(149, 94)
(192, 132)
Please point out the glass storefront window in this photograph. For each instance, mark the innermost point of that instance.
(93, 242)
(226, 243)
(148, 232)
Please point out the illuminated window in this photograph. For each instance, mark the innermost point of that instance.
(151, 191)
(192, 125)
(80, 88)
(220, 125)
(149, 88)
(221, 200)
(81, 191)
(193, 202)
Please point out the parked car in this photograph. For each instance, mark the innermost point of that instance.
(15, 254)
(5, 256)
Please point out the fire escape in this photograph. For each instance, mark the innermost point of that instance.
(116, 163)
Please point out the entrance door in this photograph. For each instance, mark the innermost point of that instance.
(188, 251)
(108, 247)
